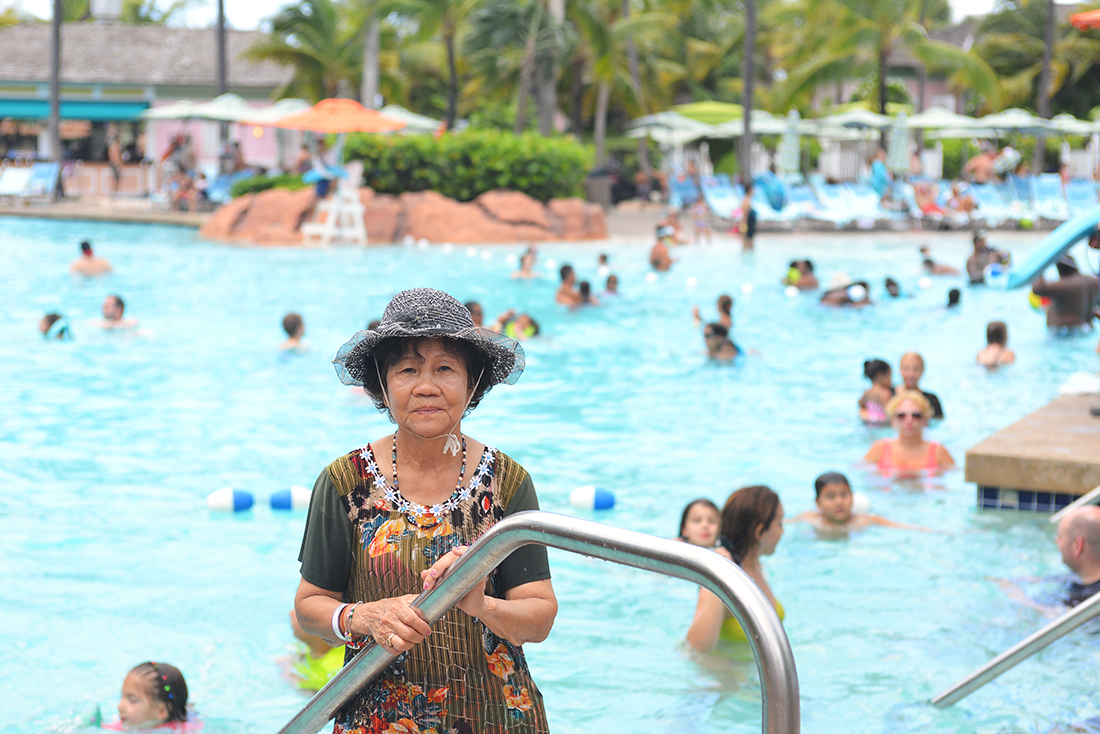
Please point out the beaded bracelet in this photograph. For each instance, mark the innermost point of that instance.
(347, 622)
(336, 623)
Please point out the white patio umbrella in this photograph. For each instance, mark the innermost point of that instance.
(1016, 121)
(763, 123)
(939, 118)
(417, 123)
(182, 110)
(1070, 125)
(274, 113)
(790, 147)
(897, 157)
(858, 118)
(224, 108)
(668, 128)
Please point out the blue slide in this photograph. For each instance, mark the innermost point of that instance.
(1054, 246)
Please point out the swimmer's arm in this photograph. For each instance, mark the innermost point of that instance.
(710, 613)
(1016, 594)
(808, 516)
(875, 453)
(943, 458)
(883, 522)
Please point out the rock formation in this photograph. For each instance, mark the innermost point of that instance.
(274, 217)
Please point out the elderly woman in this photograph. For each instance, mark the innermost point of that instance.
(752, 522)
(909, 412)
(386, 520)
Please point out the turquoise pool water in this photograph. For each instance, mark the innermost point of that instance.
(110, 443)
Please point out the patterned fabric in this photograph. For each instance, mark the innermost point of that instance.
(463, 678)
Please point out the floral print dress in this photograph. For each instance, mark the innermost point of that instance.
(463, 679)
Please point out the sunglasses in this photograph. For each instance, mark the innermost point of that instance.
(914, 416)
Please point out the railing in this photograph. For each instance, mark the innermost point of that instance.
(772, 651)
(1019, 652)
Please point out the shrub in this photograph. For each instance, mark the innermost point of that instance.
(263, 183)
(467, 164)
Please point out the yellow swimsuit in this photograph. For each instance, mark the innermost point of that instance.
(731, 628)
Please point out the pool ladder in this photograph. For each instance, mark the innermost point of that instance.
(770, 647)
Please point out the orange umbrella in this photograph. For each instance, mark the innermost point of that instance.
(339, 116)
(1084, 21)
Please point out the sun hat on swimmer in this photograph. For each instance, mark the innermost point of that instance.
(427, 312)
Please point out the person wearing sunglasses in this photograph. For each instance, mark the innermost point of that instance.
(909, 412)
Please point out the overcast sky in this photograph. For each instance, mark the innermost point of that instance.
(246, 14)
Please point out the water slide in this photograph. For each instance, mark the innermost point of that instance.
(1054, 246)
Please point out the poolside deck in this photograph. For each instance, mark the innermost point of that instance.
(103, 209)
(1042, 462)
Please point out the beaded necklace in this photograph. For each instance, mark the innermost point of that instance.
(425, 517)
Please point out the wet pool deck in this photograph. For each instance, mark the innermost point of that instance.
(1042, 462)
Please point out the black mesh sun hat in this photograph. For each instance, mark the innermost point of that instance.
(426, 312)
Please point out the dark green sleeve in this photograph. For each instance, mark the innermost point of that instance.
(327, 543)
(528, 563)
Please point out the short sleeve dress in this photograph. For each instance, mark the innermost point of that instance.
(463, 678)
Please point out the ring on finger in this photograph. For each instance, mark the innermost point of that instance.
(388, 642)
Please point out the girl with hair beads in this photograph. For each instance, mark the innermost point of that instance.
(153, 695)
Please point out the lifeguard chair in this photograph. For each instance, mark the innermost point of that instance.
(339, 218)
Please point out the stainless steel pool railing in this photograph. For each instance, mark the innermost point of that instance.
(1019, 652)
(1090, 498)
(770, 647)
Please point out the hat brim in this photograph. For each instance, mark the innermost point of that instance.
(505, 355)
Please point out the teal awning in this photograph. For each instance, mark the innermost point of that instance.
(39, 109)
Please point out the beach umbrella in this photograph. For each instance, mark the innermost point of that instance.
(339, 116)
(1015, 121)
(897, 157)
(856, 119)
(224, 108)
(710, 112)
(1085, 21)
(1070, 125)
(939, 118)
(763, 123)
(788, 159)
(668, 128)
(182, 110)
(276, 112)
(415, 123)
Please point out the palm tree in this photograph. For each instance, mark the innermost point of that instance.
(863, 36)
(321, 40)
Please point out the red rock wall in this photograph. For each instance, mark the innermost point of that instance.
(274, 217)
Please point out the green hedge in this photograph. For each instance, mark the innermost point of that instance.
(467, 164)
(263, 183)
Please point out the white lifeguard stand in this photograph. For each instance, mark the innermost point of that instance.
(339, 218)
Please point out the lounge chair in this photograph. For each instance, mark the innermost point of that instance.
(682, 192)
(1081, 194)
(720, 196)
(14, 181)
(1050, 199)
(810, 209)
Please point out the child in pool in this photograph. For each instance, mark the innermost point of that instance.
(834, 508)
(699, 523)
(871, 410)
(153, 695)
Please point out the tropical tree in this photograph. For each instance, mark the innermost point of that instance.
(852, 38)
(1013, 42)
(321, 40)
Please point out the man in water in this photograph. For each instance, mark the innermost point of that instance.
(659, 256)
(567, 295)
(88, 264)
(1078, 541)
(1072, 296)
(295, 329)
(477, 313)
(113, 309)
(982, 256)
(931, 267)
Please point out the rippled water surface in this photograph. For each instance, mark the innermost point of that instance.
(110, 443)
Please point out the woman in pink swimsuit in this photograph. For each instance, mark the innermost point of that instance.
(909, 412)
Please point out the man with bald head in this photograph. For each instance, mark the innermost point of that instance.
(1079, 541)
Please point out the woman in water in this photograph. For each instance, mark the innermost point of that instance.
(912, 368)
(996, 351)
(153, 695)
(871, 410)
(753, 522)
(699, 524)
(909, 452)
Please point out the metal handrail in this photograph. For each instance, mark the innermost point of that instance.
(770, 647)
(1019, 652)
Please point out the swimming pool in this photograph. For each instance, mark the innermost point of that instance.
(110, 443)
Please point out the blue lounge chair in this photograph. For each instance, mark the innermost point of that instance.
(1081, 194)
(802, 197)
(720, 196)
(682, 192)
(1050, 199)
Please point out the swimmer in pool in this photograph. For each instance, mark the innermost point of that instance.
(699, 525)
(726, 351)
(834, 516)
(54, 326)
(872, 404)
(518, 326)
(996, 352)
(912, 368)
(567, 295)
(153, 695)
(88, 264)
(659, 256)
(113, 310)
(909, 452)
(893, 287)
(526, 266)
(476, 312)
(611, 287)
(295, 329)
(931, 267)
(954, 297)
(585, 291)
(725, 312)
(800, 274)
(752, 520)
